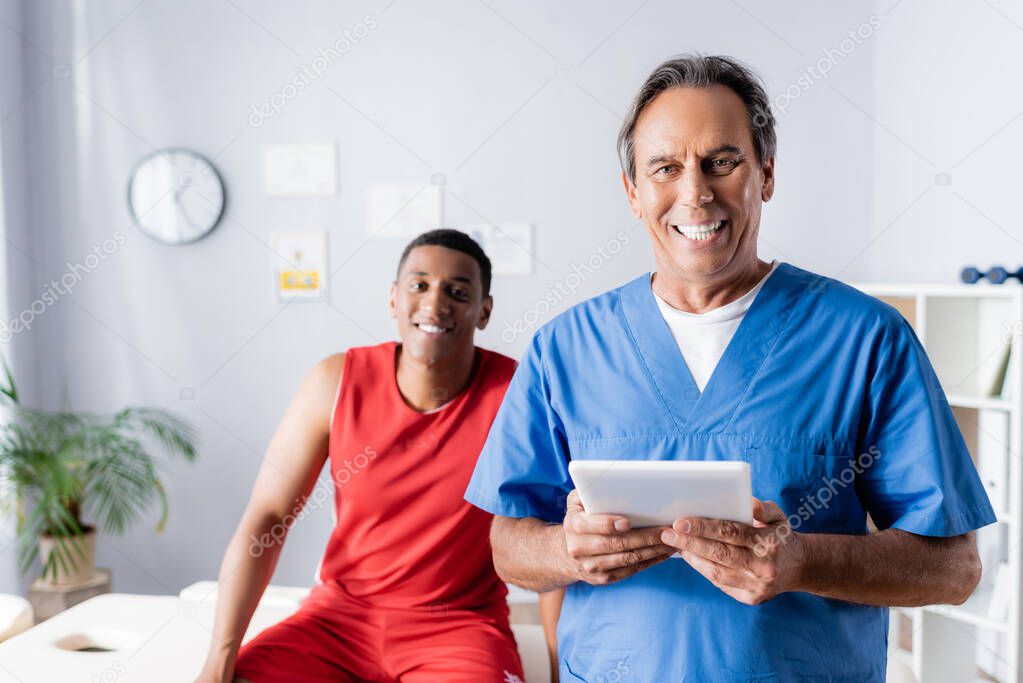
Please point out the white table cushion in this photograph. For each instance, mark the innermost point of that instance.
(15, 615)
(157, 639)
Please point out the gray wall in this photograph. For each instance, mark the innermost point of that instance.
(949, 122)
(470, 90)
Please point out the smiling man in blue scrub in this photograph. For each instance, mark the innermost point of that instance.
(719, 355)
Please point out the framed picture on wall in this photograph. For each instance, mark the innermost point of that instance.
(300, 265)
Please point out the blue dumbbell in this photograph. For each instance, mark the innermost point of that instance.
(996, 275)
(970, 275)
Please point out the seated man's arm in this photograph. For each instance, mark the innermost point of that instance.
(292, 463)
(597, 549)
(550, 612)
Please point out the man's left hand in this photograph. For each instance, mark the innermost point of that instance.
(751, 563)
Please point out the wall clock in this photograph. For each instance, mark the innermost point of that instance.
(175, 196)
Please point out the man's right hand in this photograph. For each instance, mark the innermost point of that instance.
(219, 666)
(603, 549)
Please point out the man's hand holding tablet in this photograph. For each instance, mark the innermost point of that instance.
(703, 510)
(604, 548)
(750, 562)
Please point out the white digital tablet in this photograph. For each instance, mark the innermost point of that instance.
(657, 492)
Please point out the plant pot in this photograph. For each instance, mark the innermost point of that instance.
(80, 568)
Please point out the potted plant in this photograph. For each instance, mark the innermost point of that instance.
(58, 469)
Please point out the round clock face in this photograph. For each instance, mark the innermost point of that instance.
(175, 196)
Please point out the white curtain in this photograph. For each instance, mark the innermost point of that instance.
(9, 579)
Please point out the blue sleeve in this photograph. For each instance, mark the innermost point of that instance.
(922, 479)
(523, 469)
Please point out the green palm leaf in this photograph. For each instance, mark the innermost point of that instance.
(57, 468)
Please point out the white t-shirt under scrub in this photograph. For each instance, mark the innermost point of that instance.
(702, 337)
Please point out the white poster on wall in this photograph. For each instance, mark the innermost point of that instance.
(403, 211)
(300, 265)
(299, 170)
(508, 245)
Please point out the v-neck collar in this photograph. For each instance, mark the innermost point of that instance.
(712, 410)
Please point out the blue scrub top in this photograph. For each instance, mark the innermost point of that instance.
(829, 396)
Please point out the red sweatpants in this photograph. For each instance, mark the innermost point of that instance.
(335, 638)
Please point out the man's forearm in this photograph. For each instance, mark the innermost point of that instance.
(242, 579)
(890, 568)
(530, 553)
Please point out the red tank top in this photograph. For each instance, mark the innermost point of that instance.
(405, 537)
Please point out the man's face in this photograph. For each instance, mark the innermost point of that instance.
(696, 169)
(438, 302)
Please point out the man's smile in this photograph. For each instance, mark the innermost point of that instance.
(434, 329)
(700, 232)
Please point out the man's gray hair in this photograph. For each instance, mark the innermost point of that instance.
(701, 71)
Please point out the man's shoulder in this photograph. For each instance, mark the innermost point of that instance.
(598, 306)
(498, 364)
(843, 300)
(818, 295)
(585, 315)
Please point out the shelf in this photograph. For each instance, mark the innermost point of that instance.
(963, 330)
(973, 611)
(979, 402)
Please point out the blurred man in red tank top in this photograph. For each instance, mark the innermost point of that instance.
(407, 590)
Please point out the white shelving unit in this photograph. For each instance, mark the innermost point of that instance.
(966, 330)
